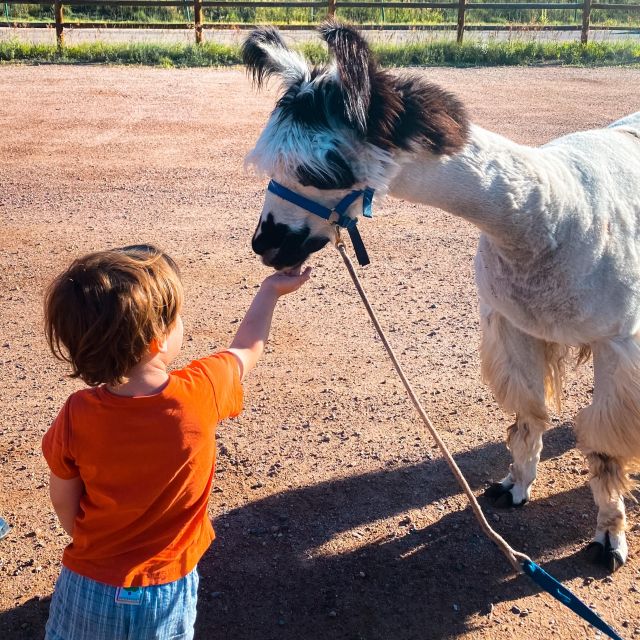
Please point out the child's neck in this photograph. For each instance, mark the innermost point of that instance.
(147, 378)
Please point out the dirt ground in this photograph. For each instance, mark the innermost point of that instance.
(336, 515)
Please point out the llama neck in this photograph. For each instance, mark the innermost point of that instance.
(492, 182)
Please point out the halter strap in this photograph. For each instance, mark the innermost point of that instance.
(337, 215)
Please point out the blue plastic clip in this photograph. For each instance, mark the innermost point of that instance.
(561, 593)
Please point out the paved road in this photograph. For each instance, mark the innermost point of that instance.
(234, 36)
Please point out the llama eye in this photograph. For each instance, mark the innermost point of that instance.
(335, 174)
(304, 106)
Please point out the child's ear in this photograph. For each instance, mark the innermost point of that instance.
(157, 346)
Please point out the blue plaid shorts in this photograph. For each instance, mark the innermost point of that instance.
(83, 609)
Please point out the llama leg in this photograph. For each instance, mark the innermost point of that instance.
(524, 440)
(608, 434)
(609, 544)
(514, 365)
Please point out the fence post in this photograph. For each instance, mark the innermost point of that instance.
(331, 9)
(586, 19)
(461, 10)
(197, 19)
(58, 14)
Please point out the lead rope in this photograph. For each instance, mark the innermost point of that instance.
(514, 557)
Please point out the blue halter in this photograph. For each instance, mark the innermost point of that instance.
(337, 215)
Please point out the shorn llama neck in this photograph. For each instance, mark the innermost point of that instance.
(496, 184)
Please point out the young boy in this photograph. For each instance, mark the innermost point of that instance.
(132, 456)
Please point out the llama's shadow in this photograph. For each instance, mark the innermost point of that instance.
(278, 569)
(285, 567)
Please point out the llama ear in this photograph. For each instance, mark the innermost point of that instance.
(354, 65)
(265, 54)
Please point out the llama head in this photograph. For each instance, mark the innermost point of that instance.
(336, 128)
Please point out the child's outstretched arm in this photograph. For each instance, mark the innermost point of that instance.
(253, 332)
(65, 497)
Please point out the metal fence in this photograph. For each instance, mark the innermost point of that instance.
(328, 7)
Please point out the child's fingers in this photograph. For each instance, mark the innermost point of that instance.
(303, 277)
(287, 281)
(296, 274)
(292, 271)
(294, 282)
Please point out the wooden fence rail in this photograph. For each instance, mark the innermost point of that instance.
(585, 7)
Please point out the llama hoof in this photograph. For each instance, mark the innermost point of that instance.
(504, 501)
(613, 560)
(501, 496)
(496, 490)
(605, 554)
(594, 552)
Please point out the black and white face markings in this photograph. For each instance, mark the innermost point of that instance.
(337, 127)
(282, 247)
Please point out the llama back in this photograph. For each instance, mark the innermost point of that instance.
(631, 123)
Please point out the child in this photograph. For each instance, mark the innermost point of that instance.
(132, 456)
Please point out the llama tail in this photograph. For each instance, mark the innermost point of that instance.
(556, 358)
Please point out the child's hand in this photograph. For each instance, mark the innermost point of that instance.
(283, 282)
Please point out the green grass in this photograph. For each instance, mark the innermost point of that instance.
(511, 52)
(434, 53)
(164, 55)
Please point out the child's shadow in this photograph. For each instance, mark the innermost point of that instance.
(27, 621)
(303, 564)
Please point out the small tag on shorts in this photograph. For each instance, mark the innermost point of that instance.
(129, 595)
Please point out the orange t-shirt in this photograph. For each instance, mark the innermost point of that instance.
(147, 466)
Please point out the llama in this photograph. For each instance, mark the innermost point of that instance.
(558, 261)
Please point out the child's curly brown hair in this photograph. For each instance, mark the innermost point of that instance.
(104, 311)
